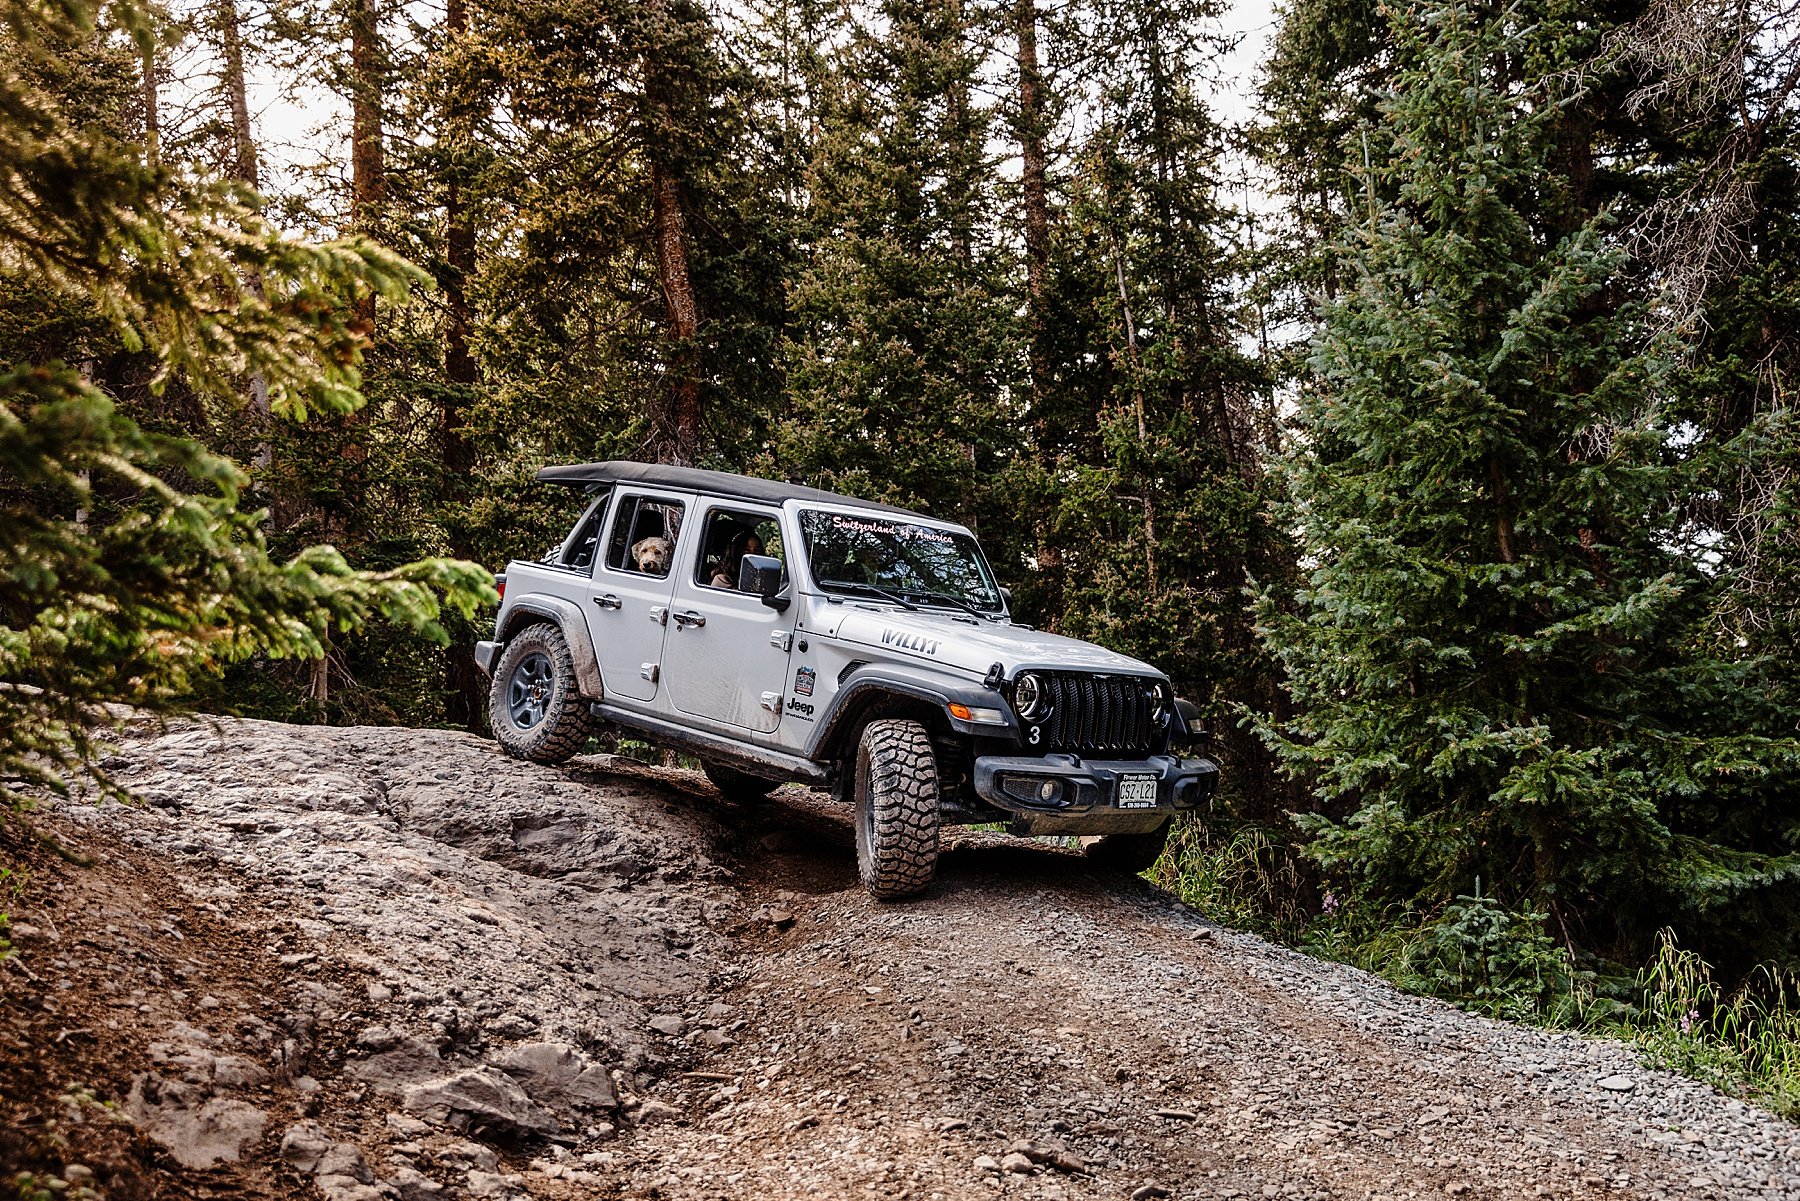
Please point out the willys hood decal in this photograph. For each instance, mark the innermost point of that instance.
(934, 636)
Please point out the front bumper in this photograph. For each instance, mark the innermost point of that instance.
(485, 653)
(1086, 792)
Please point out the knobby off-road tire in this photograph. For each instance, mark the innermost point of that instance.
(740, 787)
(1133, 853)
(896, 809)
(534, 704)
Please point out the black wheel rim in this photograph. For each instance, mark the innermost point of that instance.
(529, 689)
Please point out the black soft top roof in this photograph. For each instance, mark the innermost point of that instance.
(694, 479)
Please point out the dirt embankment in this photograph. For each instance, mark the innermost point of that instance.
(361, 964)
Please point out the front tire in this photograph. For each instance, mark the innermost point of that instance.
(1132, 853)
(534, 704)
(738, 787)
(896, 809)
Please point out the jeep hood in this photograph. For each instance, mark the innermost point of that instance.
(936, 636)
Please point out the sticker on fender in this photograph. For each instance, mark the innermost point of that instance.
(1137, 790)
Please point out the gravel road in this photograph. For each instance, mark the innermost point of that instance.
(468, 976)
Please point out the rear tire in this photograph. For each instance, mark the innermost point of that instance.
(534, 703)
(896, 794)
(739, 787)
(1132, 853)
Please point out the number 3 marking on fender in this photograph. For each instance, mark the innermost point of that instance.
(1033, 736)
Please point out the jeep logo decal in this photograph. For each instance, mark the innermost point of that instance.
(909, 642)
(800, 709)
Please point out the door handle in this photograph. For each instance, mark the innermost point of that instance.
(683, 620)
(609, 601)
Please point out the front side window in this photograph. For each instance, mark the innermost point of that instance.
(644, 531)
(729, 536)
(854, 552)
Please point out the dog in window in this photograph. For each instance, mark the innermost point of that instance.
(652, 555)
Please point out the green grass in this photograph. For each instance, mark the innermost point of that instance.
(1744, 1041)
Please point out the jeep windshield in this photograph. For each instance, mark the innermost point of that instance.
(894, 559)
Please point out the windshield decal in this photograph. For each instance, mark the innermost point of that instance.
(909, 642)
(863, 525)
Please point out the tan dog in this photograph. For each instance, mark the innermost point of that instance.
(651, 556)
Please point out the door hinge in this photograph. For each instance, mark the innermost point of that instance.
(659, 614)
(650, 671)
(781, 640)
(772, 701)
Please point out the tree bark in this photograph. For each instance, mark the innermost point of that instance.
(231, 49)
(1035, 200)
(246, 170)
(676, 425)
(152, 111)
(457, 454)
(367, 162)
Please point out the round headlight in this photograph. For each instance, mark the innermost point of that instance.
(1160, 703)
(1029, 697)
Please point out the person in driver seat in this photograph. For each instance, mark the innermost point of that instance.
(744, 542)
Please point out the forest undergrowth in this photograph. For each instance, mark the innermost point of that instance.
(1742, 1037)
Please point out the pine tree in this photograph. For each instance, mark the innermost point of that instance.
(1495, 649)
(901, 351)
(128, 571)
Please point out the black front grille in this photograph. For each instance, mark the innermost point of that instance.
(1098, 716)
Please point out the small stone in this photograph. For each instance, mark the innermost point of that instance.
(1457, 1188)
(781, 919)
(987, 1163)
(651, 1112)
(1016, 1163)
(1177, 1115)
(511, 1025)
(1148, 1192)
(1618, 1084)
(946, 1125)
(668, 1024)
(378, 1038)
(379, 994)
(407, 1126)
(414, 1185)
(208, 1002)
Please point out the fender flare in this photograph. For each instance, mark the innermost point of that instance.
(896, 679)
(565, 616)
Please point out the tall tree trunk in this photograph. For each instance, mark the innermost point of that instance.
(246, 170)
(457, 453)
(1034, 193)
(367, 166)
(676, 426)
(152, 109)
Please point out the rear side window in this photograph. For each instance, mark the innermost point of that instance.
(644, 530)
(581, 549)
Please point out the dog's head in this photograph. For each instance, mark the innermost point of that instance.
(652, 555)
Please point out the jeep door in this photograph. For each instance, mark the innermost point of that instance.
(628, 600)
(726, 656)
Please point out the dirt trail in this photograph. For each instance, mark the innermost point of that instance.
(390, 964)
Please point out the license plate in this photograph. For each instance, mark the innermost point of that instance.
(1137, 791)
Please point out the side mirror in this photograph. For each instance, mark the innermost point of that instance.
(761, 575)
(1006, 597)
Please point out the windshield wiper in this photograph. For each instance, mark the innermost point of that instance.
(958, 601)
(872, 590)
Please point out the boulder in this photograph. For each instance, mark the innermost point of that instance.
(482, 1100)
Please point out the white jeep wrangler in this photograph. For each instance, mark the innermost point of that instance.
(780, 633)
